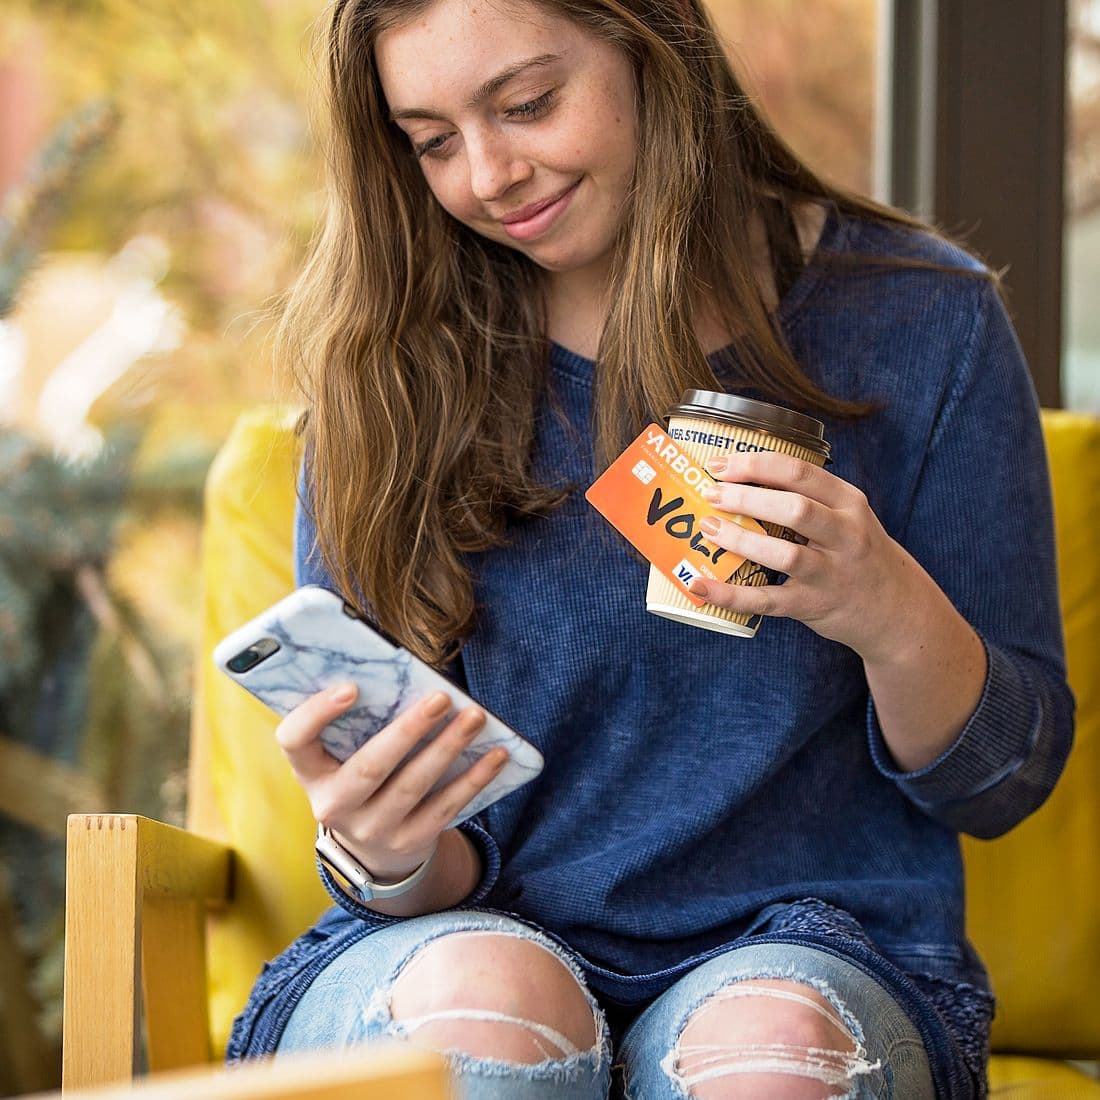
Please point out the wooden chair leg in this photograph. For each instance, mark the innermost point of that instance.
(173, 963)
(135, 889)
(101, 954)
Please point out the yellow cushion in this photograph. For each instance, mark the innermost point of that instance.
(1038, 1079)
(1033, 896)
(242, 789)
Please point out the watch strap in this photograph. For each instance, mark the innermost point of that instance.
(338, 859)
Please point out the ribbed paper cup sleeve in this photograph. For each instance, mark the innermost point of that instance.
(666, 599)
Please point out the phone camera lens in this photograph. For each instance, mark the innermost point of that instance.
(249, 658)
(244, 661)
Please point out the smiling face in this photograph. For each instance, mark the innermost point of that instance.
(508, 107)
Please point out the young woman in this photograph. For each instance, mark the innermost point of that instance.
(739, 872)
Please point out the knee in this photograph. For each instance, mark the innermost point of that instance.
(492, 995)
(766, 1038)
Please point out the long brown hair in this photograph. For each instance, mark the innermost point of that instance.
(422, 346)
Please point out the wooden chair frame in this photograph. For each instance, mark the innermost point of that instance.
(137, 894)
(387, 1071)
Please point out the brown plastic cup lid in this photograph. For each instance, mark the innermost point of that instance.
(756, 415)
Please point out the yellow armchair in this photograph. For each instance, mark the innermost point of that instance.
(138, 891)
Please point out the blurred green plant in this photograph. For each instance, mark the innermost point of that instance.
(30, 210)
(54, 518)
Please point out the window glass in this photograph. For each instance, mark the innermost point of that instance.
(813, 68)
(1082, 369)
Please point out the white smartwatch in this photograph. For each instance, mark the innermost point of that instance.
(341, 862)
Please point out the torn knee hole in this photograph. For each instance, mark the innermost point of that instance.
(768, 1029)
(494, 995)
(768, 1011)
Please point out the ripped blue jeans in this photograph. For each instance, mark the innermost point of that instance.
(349, 1002)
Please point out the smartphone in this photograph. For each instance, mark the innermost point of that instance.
(312, 640)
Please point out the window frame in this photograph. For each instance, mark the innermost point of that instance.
(971, 134)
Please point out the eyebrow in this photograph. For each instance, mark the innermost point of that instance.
(492, 85)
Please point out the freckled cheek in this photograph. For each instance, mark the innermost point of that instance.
(454, 196)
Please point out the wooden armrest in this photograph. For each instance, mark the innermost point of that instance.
(136, 898)
(382, 1071)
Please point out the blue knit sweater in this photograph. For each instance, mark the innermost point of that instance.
(700, 788)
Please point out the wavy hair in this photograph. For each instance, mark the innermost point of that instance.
(422, 347)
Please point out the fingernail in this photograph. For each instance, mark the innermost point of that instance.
(717, 465)
(710, 492)
(343, 694)
(436, 705)
(709, 525)
(699, 588)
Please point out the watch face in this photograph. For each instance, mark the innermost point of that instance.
(340, 861)
(332, 867)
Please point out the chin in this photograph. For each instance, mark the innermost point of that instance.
(561, 258)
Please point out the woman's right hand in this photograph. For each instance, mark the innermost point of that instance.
(380, 812)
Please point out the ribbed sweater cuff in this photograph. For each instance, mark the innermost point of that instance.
(490, 862)
(994, 744)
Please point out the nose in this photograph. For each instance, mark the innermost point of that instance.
(495, 166)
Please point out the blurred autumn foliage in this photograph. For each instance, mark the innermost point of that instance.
(1081, 368)
(157, 189)
(813, 69)
(1084, 122)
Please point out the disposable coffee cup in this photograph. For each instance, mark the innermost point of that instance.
(708, 425)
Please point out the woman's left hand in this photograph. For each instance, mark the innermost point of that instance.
(850, 581)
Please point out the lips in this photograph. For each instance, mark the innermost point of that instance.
(527, 212)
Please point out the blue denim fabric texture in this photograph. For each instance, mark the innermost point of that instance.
(699, 788)
(340, 1008)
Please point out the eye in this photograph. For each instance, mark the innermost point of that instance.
(429, 146)
(534, 108)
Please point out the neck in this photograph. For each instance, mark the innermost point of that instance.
(577, 301)
(576, 305)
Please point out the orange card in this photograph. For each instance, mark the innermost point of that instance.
(652, 494)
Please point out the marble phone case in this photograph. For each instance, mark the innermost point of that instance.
(320, 644)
